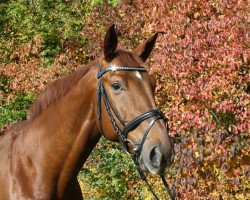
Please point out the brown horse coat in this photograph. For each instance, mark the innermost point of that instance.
(41, 156)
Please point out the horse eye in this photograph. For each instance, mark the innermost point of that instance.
(116, 86)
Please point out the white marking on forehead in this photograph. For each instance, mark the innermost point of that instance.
(138, 75)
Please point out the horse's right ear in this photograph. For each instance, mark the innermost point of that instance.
(110, 43)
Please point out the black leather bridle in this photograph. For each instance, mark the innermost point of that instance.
(155, 114)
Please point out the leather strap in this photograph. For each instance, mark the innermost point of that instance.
(116, 68)
(138, 120)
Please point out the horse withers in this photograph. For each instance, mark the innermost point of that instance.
(112, 96)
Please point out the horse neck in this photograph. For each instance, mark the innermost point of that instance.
(68, 129)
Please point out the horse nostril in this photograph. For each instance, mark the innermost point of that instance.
(155, 157)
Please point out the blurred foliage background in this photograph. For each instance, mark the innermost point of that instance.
(203, 84)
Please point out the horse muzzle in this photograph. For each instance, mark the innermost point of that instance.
(156, 159)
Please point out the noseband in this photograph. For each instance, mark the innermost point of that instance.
(155, 114)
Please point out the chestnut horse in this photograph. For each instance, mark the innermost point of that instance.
(113, 96)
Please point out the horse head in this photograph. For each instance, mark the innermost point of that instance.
(126, 109)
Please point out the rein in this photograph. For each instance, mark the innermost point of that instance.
(155, 114)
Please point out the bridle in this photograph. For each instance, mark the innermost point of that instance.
(154, 114)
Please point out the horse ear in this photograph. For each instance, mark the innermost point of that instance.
(110, 43)
(144, 50)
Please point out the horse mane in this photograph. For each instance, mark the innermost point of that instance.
(62, 86)
(56, 90)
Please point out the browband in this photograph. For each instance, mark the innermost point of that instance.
(116, 68)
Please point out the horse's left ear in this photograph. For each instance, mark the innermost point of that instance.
(110, 43)
(144, 50)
